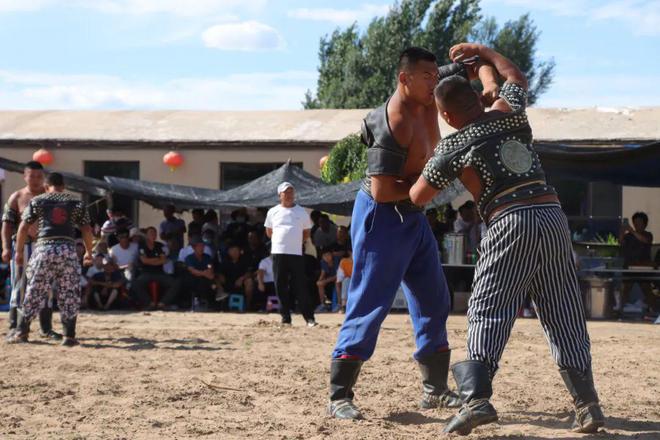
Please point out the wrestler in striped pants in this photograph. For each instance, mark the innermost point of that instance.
(527, 250)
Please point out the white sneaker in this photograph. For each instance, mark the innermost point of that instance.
(312, 323)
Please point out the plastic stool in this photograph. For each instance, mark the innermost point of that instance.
(154, 291)
(272, 304)
(236, 302)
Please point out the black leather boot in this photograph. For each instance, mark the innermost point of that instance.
(436, 393)
(20, 334)
(588, 414)
(475, 390)
(69, 332)
(343, 375)
(13, 318)
(46, 324)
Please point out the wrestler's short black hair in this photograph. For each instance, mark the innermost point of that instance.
(642, 216)
(55, 179)
(34, 165)
(456, 94)
(413, 55)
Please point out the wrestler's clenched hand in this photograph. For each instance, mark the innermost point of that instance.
(463, 51)
(490, 94)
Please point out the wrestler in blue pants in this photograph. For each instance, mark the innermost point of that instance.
(391, 246)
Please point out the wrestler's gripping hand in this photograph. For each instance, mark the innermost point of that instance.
(463, 51)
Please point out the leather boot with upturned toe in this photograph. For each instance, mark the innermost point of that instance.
(435, 391)
(588, 414)
(343, 375)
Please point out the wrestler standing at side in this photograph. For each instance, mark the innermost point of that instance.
(393, 243)
(11, 217)
(54, 261)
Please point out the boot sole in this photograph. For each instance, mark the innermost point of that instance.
(590, 428)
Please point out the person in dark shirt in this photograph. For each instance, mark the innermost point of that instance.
(198, 219)
(200, 274)
(255, 251)
(237, 230)
(636, 244)
(172, 229)
(235, 274)
(152, 258)
(341, 248)
(106, 285)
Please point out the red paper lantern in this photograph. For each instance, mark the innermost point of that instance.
(173, 159)
(43, 156)
(322, 162)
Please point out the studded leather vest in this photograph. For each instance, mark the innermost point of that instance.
(500, 150)
(58, 215)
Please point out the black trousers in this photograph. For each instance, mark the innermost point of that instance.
(290, 283)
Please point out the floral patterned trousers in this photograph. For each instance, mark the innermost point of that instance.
(53, 265)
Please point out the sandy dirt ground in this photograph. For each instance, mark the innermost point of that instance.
(231, 376)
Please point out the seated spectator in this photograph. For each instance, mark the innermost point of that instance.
(172, 228)
(96, 267)
(265, 277)
(125, 254)
(136, 236)
(200, 276)
(117, 221)
(344, 274)
(636, 244)
(106, 285)
(188, 250)
(235, 275)
(327, 279)
(212, 222)
(152, 259)
(326, 234)
(343, 245)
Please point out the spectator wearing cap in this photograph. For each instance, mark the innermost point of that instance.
(106, 285)
(152, 259)
(200, 275)
(136, 236)
(172, 229)
(288, 226)
(125, 254)
(117, 221)
(188, 250)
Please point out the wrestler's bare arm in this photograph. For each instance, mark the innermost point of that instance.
(8, 227)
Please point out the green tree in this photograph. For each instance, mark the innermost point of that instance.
(359, 70)
(347, 161)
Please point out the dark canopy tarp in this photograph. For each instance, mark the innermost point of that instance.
(159, 195)
(625, 165)
(73, 182)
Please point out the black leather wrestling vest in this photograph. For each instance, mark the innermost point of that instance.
(58, 214)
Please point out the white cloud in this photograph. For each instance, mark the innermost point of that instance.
(24, 5)
(250, 91)
(340, 16)
(243, 36)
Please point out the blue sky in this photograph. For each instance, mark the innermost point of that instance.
(262, 54)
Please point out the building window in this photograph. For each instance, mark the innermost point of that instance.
(234, 174)
(100, 169)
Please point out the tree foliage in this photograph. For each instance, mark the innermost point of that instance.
(358, 70)
(347, 161)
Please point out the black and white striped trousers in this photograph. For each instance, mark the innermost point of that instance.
(527, 250)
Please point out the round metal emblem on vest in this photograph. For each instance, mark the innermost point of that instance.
(516, 157)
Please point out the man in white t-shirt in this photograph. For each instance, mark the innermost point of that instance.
(125, 254)
(288, 226)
